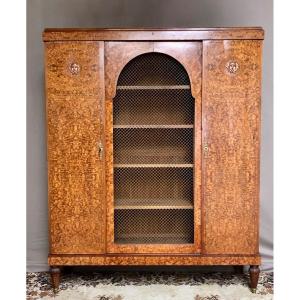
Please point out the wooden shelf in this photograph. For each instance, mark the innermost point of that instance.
(153, 165)
(154, 226)
(153, 126)
(153, 204)
(153, 87)
(138, 207)
(153, 238)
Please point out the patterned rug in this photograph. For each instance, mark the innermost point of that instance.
(148, 286)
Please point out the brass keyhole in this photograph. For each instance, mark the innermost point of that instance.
(100, 150)
(205, 150)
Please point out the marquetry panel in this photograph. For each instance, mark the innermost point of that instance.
(75, 126)
(231, 125)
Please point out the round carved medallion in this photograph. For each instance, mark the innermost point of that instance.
(232, 67)
(74, 68)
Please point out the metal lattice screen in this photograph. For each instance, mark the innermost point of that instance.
(153, 69)
(153, 152)
(153, 146)
(154, 226)
(153, 107)
(162, 187)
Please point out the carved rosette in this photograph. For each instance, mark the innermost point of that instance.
(232, 66)
(74, 68)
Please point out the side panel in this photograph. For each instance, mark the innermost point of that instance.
(231, 138)
(75, 126)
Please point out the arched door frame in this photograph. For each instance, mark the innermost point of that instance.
(117, 55)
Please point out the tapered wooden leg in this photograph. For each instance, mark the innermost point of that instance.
(254, 274)
(55, 277)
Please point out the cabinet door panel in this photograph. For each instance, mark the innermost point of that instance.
(117, 56)
(230, 120)
(75, 126)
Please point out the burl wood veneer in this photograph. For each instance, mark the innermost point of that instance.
(192, 96)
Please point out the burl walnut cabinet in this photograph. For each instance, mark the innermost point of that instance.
(153, 147)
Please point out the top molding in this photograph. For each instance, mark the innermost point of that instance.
(151, 34)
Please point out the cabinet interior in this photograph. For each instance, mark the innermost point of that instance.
(153, 131)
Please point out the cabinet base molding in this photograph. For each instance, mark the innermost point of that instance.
(138, 260)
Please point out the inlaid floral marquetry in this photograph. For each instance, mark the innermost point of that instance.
(74, 68)
(232, 67)
(211, 67)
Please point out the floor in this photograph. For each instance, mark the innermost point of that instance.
(110, 285)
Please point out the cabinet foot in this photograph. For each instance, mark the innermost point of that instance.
(254, 275)
(55, 277)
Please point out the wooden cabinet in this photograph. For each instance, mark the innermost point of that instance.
(153, 147)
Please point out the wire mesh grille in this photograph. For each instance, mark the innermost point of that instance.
(153, 114)
(157, 226)
(153, 69)
(153, 146)
(153, 186)
(168, 106)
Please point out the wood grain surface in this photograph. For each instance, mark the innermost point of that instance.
(75, 126)
(140, 260)
(151, 34)
(117, 55)
(231, 131)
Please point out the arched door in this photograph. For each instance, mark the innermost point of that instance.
(153, 154)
